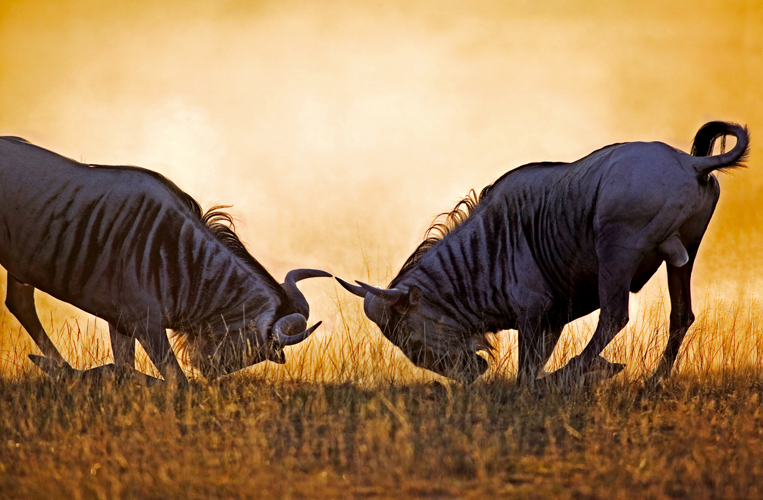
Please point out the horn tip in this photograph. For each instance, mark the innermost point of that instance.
(353, 289)
(366, 286)
(310, 330)
(317, 273)
(300, 274)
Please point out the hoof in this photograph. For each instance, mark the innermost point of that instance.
(609, 369)
(119, 374)
(601, 369)
(436, 390)
(574, 375)
(54, 369)
(655, 383)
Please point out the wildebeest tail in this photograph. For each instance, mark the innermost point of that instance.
(705, 140)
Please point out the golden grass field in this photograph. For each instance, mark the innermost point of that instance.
(348, 417)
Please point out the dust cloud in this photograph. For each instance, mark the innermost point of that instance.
(338, 130)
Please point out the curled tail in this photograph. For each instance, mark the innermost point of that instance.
(703, 147)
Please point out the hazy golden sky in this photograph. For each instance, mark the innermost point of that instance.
(336, 127)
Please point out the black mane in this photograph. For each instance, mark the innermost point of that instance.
(446, 222)
(442, 225)
(221, 225)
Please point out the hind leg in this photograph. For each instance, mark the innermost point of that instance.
(123, 347)
(681, 317)
(20, 302)
(679, 286)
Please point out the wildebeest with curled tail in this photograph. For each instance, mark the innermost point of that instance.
(550, 242)
(127, 245)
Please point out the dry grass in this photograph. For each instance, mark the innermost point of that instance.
(348, 417)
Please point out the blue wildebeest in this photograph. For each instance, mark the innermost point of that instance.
(548, 243)
(127, 245)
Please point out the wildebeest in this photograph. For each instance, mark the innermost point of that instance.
(550, 242)
(127, 245)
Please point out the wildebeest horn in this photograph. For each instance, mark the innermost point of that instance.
(295, 296)
(293, 323)
(296, 339)
(388, 294)
(355, 289)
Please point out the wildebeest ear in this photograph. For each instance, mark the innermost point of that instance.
(411, 299)
(414, 295)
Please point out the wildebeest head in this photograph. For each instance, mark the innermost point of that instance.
(428, 336)
(216, 353)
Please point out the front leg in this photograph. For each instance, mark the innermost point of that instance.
(20, 302)
(65, 373)
(614, 294)
(57, 371)
(536, 344)
(122, 346)
(153, 338)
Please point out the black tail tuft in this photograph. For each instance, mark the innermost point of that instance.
(705, 140)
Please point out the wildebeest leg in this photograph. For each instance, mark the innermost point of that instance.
(615, 276)
(123, 347)
(536, 344)
(54, 369)
(612, 318)
(20, 301)
(681, 316)
(679, 287)
(153, 338)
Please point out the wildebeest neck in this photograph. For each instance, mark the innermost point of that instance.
(457, 277)
(533, 225)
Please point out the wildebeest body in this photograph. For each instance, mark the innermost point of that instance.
(63, 255)
(129, 246)
(531, 243)
(550, 242)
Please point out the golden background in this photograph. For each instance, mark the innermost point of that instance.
(338, 130)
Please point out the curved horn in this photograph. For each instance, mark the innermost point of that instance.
(388, 294)
(296, 339)
(293, 323)
(354, 289)
(290, 287)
